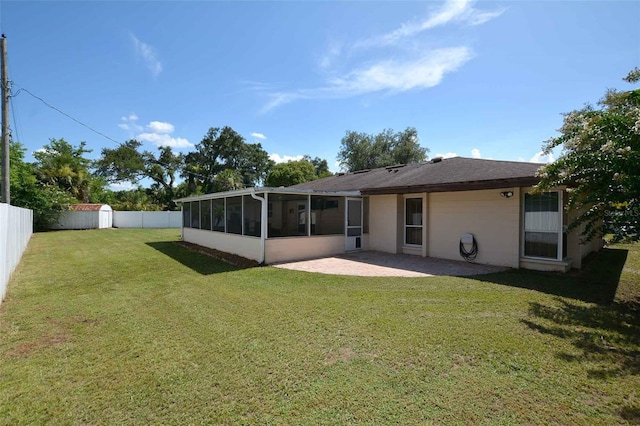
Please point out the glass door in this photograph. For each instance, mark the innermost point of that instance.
(354, 224)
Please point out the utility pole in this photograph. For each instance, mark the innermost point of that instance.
(6, 197)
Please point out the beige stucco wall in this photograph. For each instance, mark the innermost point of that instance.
(383, 227)
(575, 250)
(295, 248)
(249, 247)
(493, 220)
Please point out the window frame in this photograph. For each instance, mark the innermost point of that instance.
(559, 232)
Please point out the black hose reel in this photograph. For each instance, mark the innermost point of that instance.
(468, 247)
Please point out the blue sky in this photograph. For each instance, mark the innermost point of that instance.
(483, 79)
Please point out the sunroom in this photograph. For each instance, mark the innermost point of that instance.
(271, 225)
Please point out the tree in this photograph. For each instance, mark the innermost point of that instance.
(47, 201)
(62, 165)
(225, 149)
(291, 173)
(127, 164)
(320, 166)
(600, 163)
(133, 200)
(360, 151)
(122, 164)
(227, 180)
(162, 170)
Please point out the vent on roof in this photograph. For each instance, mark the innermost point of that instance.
(436, 159)
(357, 172)
(340, 174)
(397, 166)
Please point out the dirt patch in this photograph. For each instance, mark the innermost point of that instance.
(24, 349)
(341, 355)
(58, 334)
(345, 354)
(232, 259)
(67, 321)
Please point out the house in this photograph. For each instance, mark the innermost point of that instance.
(456, 208)
(85, 216)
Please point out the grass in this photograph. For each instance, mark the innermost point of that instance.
(126, 327)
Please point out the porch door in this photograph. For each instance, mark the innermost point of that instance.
(353, 224)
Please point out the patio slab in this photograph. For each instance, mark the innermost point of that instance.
(377, 264)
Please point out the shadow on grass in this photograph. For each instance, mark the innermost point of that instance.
(605, 331)
(200, 263)
(607, 337)
(597, 282)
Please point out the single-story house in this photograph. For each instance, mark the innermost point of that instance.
(85, 216)
(456, 208)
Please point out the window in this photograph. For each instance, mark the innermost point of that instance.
(195, 214)
(543, 225)
(217, 213)
(205, 215)
(288, 215)
(413, 221)
(186, 215)
(327, 215)
(252, 213)
(234, 215)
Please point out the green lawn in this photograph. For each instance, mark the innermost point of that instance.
(126, 327)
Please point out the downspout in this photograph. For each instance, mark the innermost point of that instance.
(263, 223)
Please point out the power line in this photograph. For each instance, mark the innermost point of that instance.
(15, 122)
(22, 89)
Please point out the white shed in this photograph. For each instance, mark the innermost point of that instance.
(86, 216)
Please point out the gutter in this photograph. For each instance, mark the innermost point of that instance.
(263, 223)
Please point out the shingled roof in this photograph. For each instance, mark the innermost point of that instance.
(86, 207)
(438, 175)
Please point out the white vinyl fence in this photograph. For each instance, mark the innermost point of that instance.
(147, 219)
(16, 228)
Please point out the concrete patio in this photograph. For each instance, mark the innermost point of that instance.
(377, 264)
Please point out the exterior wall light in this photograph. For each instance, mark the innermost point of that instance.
(507, 194)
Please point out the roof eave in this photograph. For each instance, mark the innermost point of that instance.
(454, 186)
(247, 191)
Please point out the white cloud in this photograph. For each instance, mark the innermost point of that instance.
(164, 139)
(258, 135)
(148, 55)
(129, 123)
(285, 158)
(160, 127)
(426, 71)
(391, 76)
(540, 157)
(333, 53)
(451, 10)
(475, 153)
(447, 155)
(402, 60)
(448, 11)
(156, 132)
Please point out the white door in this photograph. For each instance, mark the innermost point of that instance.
(353, 228)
